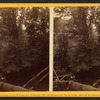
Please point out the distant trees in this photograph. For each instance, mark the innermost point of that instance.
(38, 32)
(24, 38)
(80, 32)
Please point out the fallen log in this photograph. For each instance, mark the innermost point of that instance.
(10, 87)
(75, 86)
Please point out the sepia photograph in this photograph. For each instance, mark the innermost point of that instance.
(24, 49)
(76, 49)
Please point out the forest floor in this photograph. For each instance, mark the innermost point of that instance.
(22, 77)
(85, 77)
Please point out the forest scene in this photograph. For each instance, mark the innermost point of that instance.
(77, 46)
(24, 47)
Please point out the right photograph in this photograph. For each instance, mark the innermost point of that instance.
(76, 49)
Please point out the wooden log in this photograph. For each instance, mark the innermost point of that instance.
(10, 87)
(75, 86)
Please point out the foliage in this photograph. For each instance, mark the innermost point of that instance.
(24, 38)
(80, 29)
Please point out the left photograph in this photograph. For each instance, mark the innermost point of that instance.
(24, 49)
